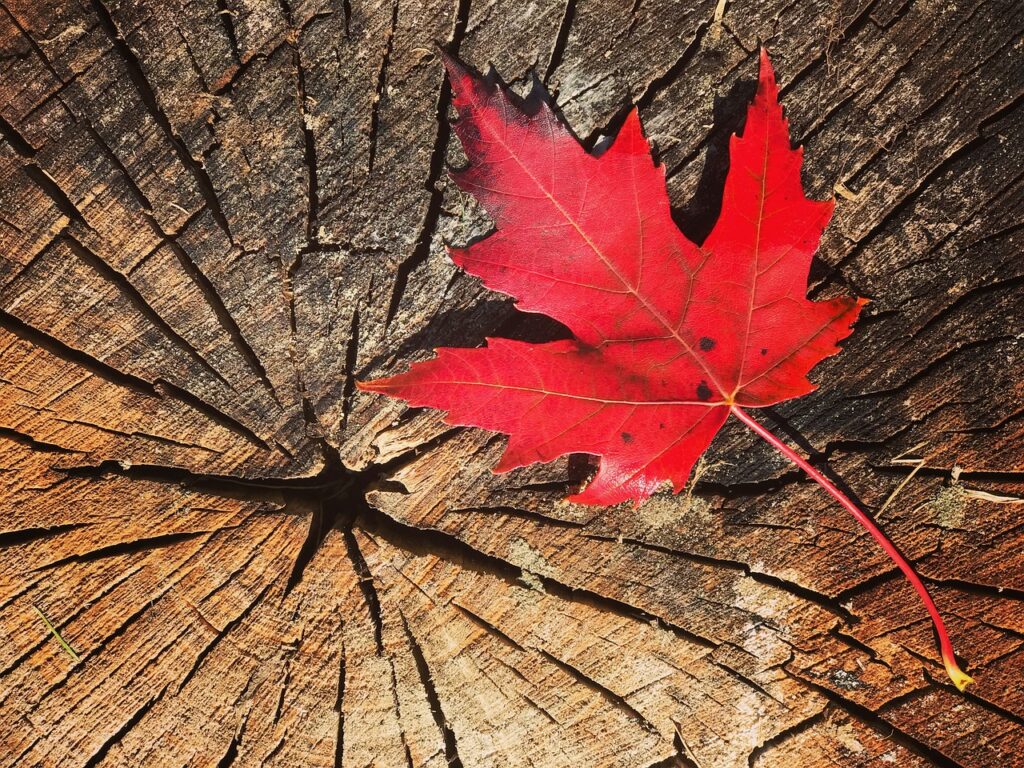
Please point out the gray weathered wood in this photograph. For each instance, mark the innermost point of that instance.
(216, 215)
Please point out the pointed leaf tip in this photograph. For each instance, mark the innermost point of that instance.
(630, 136)
(451, 62)
(459, 73)
(766, 85)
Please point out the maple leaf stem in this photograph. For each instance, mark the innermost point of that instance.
(959, 677)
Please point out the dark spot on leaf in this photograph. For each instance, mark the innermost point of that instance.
(703, 391)
(660, 425)
(627, 438)
(707, 343)
(764, 351)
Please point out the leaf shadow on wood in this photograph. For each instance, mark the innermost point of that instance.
(469, 326)
(696, 218)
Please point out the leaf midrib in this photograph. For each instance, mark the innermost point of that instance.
(651, 309)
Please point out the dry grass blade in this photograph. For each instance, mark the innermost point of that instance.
(56, 634)
(903, 461)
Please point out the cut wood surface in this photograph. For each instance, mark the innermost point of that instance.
(217, 215)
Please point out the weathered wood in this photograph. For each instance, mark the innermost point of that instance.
(216, 215)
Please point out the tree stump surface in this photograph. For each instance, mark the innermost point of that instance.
(216, 215)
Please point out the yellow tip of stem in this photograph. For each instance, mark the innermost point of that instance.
(960, 678)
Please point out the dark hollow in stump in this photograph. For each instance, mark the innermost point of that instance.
(216, 215)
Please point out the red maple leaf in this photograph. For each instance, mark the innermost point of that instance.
(670, 337)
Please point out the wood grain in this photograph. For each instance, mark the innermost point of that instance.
(216, 215)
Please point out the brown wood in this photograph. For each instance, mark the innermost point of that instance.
(215, 215)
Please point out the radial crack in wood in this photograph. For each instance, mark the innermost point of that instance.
(216, 216)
